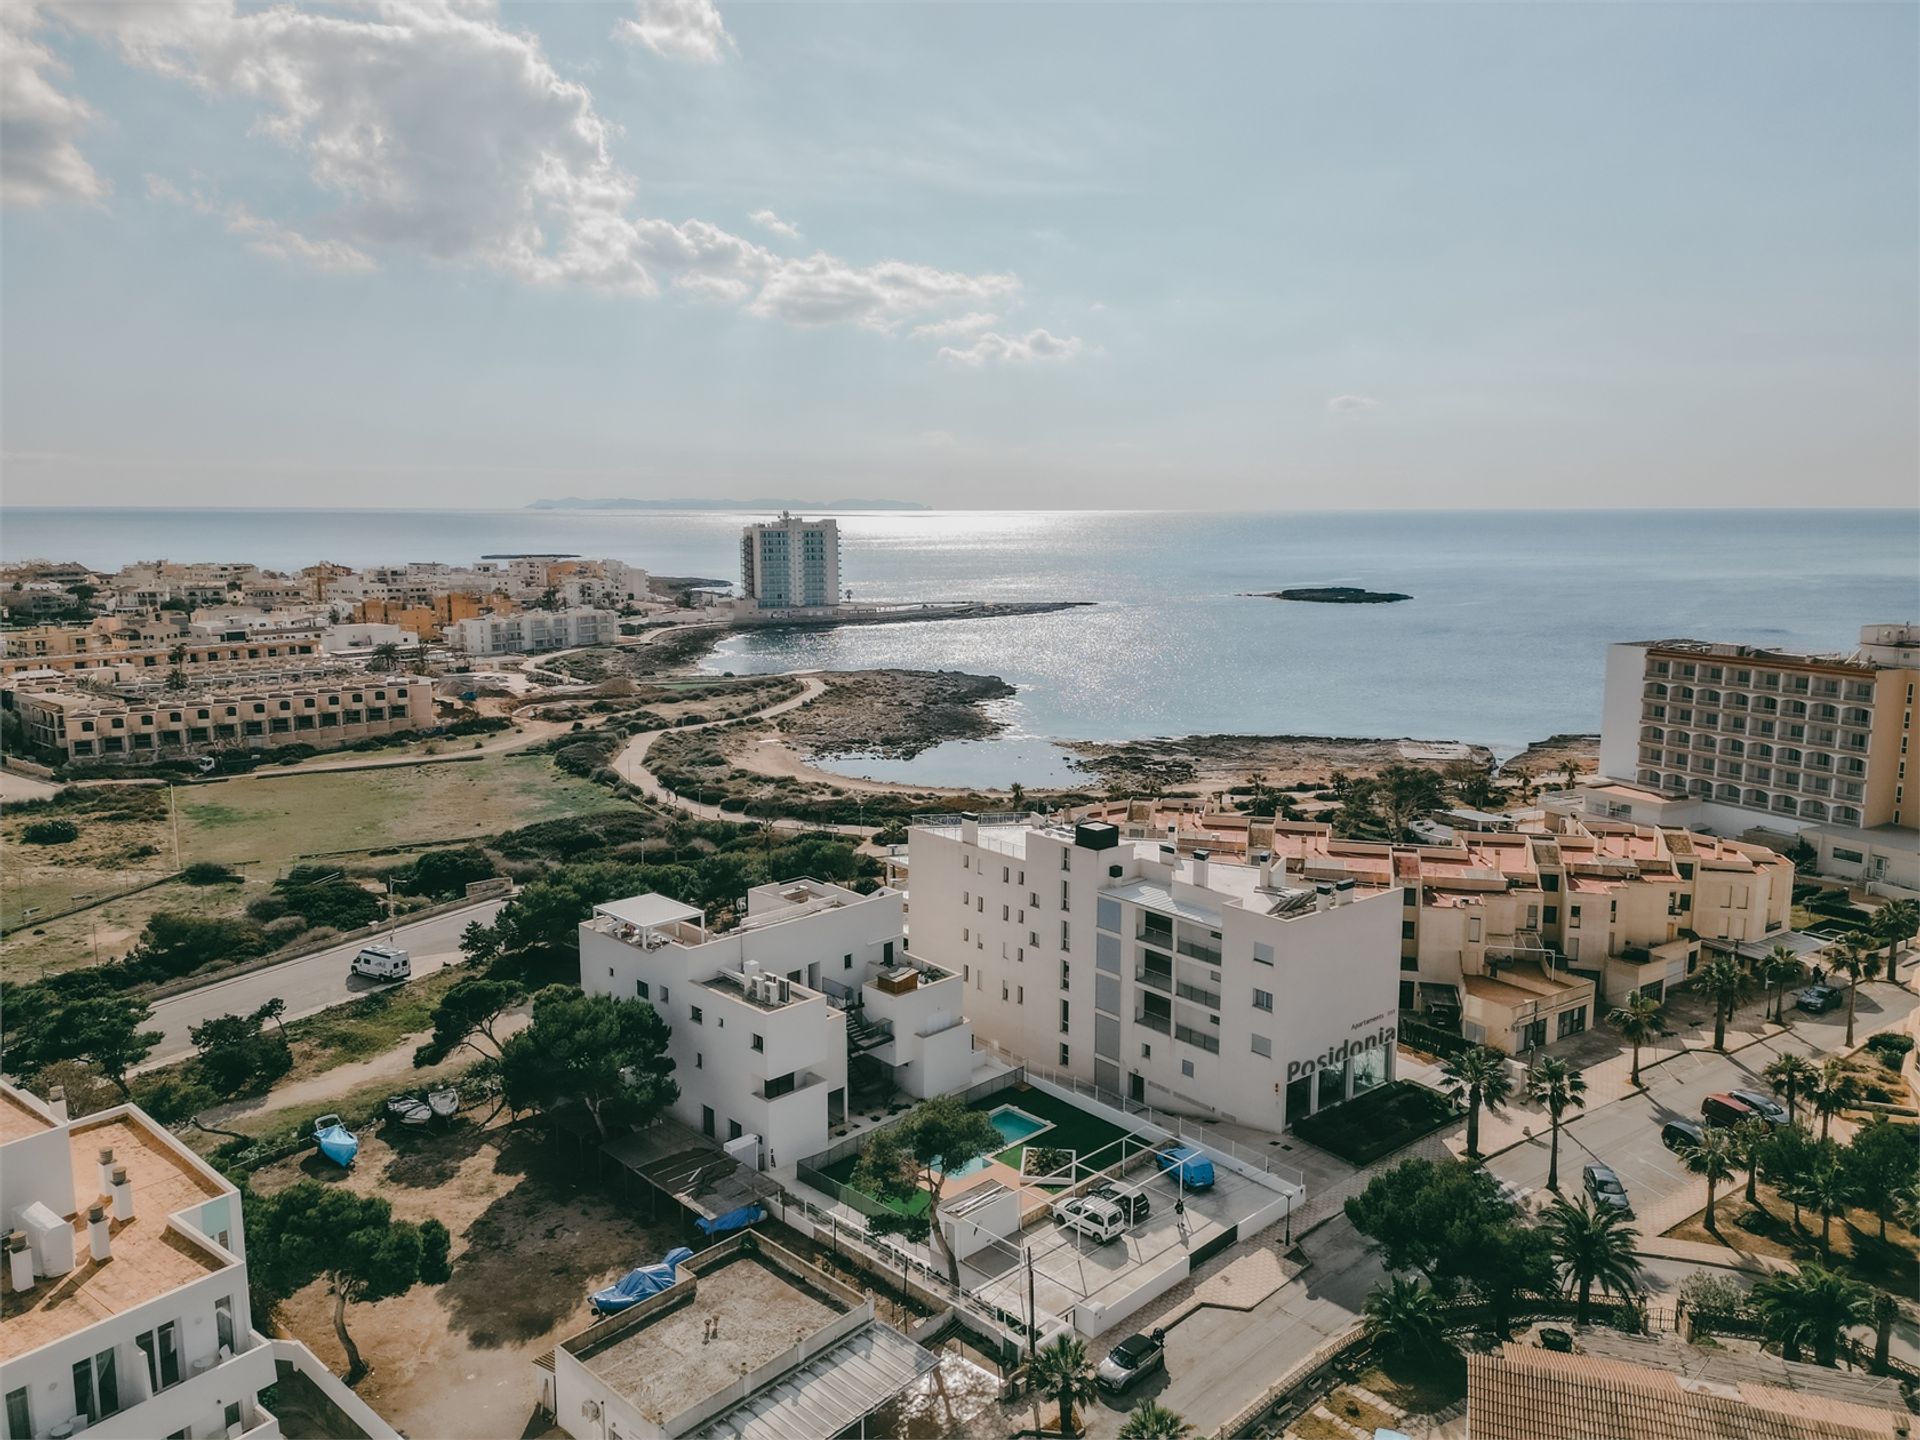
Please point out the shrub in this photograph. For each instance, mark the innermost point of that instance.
(50, 832)
(208, 872)
(1890, 1047)
(175, 944)
(445, 872)
(267, 908)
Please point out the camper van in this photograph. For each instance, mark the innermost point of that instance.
(1098, 1220)
(383, 962)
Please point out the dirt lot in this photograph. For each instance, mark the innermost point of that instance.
(528, 1245)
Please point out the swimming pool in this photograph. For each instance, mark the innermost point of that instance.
(1015, 1126)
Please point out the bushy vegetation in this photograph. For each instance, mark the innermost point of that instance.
(49, 832)
(208, 872)
(445, 874)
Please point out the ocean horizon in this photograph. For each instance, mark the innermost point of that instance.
(1502, 644)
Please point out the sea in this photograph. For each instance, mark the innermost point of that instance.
(1502, 644)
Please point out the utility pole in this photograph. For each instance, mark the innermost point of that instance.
(1032, 1316)
(173, 817)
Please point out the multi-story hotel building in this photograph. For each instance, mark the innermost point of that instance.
(147, 722)
(768, 1016)
(528, 632)
(126, 1311)
(790, 564)
(1736, 738)
(1180, 980)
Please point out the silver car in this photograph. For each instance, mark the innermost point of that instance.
(1770, 1109)
(1605, 1189)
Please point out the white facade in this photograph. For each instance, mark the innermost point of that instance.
(135, 1324)
(531, 631)
(363, 640)
(765, 1016)
(1187, 983)
(791, 564)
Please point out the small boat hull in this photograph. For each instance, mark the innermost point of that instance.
(335, 1141)
(408, 1110)
(444, 1103)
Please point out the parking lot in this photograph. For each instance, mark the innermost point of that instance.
(1070, 1268)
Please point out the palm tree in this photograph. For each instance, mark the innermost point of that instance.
(1886, 1310)
(1065, 1372)
(1405, 1317)
(1722, 980)
(1827, 1190)
(384, 657)
(1895, 921)
(1750, 1139)
(1481, 1074)
(1790, 1075)
(1859, 957)
(1017, 794)
(1830, 1091)
(1713, 1157)
(1558, 1086)
(1593, 1246)
(1151, 1420)
(177, 676)
(1640, 1021)
(1812, 1306)
(1781, 969)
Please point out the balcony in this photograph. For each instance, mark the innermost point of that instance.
(1186, 1034)
(1199, 996)
(1159, 979)
(1162, 1023)
(1194, 950)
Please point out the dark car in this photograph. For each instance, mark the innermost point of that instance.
(1817, 999)
(1132, 1359)
(1722, 1108)
(1681, 1135)
(1606, 1190)
(1133, 1203)
(1768, 1108)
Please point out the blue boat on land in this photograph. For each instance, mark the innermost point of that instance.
(1194, 1169)
(637, 1284)
(336, 1142)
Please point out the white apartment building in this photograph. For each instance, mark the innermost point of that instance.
(126, 1310)
(790, 564)
(1188, 983)
(1800, 746)
(527, 632)
(766, 1017)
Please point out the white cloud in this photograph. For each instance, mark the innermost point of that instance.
(774, 225)
(958, 327)
(40, 124)
(689, 30)
(996, 349)
(1351, 404)
(437, 131)
(266, 237)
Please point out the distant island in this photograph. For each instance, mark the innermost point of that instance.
(573, 503)
(1334, 595)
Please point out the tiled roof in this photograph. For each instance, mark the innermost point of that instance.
(1530, 1394)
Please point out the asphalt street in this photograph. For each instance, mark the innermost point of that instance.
(310, 984)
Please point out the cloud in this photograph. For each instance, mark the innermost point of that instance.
(40, 124)
(264, 236)
(959, 326)
(1351, 404)
(938, 439)
(996, 349)
(435, 131)
(774, 225)
(689, 30)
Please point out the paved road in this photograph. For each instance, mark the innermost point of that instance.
(310, 984)
(15, 787)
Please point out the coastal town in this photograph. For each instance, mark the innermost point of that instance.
(437, 1002)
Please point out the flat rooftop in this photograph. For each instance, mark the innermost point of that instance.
(742, 1314)
(149, 1258)
(18, 1119)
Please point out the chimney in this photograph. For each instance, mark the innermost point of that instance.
(19, 1261)
(97, 1236)
(1200, 858)
(122, 1194)
(969, 827)
(1323, 896)
(106, 1171)
(1264, 859)
(1343, 891)
(57, 1103)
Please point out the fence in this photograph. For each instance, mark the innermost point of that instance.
(1433, 1040)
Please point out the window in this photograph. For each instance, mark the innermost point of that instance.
(96, 1387)
(642, 989)
(162, 1350)
(1146, 1052)
(760, 1042)
(1020, 995)
(1063, 1017)
(1573, 917)
(846, 962)
(231, 1415)
(734, 1132)
(696, 1014)
(1409, 962)
(1064, 1061)
(1065, 936)
(1262, 953)
(19, 1415)
(1262, 1046)
(1550, 883)
(1552, 915)
(1005, 991)
(1406, 930)
(780, 1085)
(699, 1060)
(1064, 971)
(1186, 1068)
(706, 1121)
(223, 1323)
(1263, 999)
(1573, 1021)
(663, 995)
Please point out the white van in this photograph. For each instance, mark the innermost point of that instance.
(383, 962)
(1098, 1220)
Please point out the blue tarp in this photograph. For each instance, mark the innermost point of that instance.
(637, 1284)
(336, 1142)
(1196, 1170)
(733, 1220)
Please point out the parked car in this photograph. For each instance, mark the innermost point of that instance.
(1817, 999)
(1723, 1108)
(1132, 1359)
(1681, 1135)
(1133, 1203)
(383, 962)
(1195, 1171)
(1605, 1189)
(1099, 1220)
(1768, 1108)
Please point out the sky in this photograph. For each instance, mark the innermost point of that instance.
(984, 255)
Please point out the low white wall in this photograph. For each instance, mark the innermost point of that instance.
(357, 1410)
(1091, 1317)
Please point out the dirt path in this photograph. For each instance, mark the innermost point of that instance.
(530, 734)
(773, 757)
